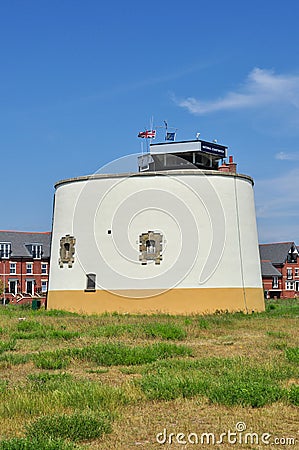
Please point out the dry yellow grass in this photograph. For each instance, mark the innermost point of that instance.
(261, 339)
(140, 424)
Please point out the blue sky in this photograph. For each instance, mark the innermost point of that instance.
(79, 79)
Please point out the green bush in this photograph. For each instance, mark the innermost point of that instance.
(7, 345)
(167, 387)
(35, 330)
(282, 308)
(60, 313)
(51, 360)
(203, 323)
(277, 334)
(164, 386)
(293, 395)
(25, 306)
(292, 354)
(28, 325)
(280, 345)
(48, 381)
(227, 381)
(255, 394)
(164, 331)
(211, 366)
(45, 394)
(3, 386)
(76, 427)
(119, 354)
(28, 329)
(80, 395)
(112, 330)
(15, 359)
(62, 334)
(221, 319)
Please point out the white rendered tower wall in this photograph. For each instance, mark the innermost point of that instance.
(207, 258)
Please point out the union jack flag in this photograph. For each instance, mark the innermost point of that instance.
(147, 134)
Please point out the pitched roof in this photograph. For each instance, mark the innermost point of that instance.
(268, 270)
(276, 253)
(19, 240)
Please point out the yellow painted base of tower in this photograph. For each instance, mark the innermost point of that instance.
(174, 301)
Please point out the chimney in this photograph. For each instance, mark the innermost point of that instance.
(232, 167)
(223, 168)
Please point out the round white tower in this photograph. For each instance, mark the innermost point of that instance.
(173, 240)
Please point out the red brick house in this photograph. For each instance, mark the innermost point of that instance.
(24, 266)
(280, 269)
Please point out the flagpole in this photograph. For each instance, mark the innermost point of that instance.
(148, 134)
(151, 128)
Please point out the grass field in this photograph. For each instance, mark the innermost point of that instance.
(70, 381)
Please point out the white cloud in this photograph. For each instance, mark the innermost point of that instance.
(262, 87)
(285, 156)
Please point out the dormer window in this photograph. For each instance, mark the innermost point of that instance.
(36, 251)
(292, 255)
(5, 249)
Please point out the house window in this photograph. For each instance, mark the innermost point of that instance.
(30, 287)
(12, 268)
(275, 282)
(289, 274)
(5, 249)
(290, 285)
(292, 255)
(29, 270)
(44, 286)
(13, 286)
(90, 282)
(296, 272)
(44, 268)
(36, 251)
